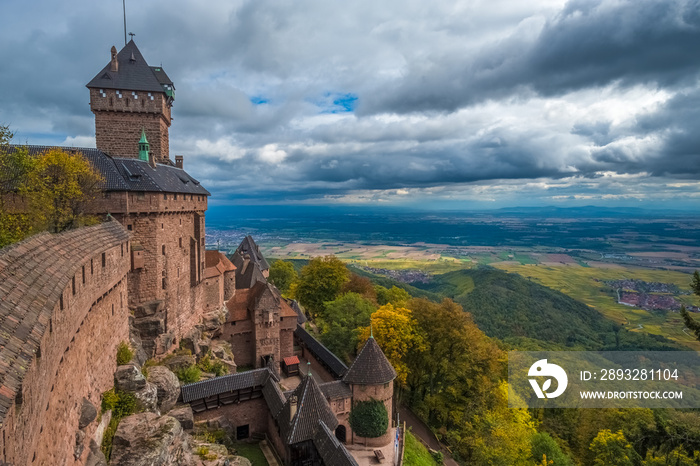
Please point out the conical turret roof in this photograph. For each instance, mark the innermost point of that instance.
(371, 367)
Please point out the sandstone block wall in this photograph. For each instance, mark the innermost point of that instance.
(120, 116)
(74, 340)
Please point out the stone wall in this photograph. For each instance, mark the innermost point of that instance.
(253, 413)
(383, 393)
(73, 341)
(119, 120)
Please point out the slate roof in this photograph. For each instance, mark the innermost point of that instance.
(224, 384)
(131, 75)
(336, 366)
(249, 247)
(311, 407)
(336, 390)
(248, 276)
(273, 397)
(333, 453)
(371, 367)
(33, 275)
(296, 307)
(126, 174)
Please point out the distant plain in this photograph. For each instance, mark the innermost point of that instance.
(576, 251)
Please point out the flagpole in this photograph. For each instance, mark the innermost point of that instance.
(124, 7)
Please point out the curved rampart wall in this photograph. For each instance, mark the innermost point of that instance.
(63, 311)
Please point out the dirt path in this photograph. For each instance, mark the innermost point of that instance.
(424, 434)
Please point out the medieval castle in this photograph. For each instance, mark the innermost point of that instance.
(68, 300)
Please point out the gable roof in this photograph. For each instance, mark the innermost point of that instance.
(225, 383)
(312, 407)
(323, 354)
(247, 275)
(133, 73)
(248, 247)
(371, 367)
(127, 174)
(331, 450)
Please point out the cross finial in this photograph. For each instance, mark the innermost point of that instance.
(131, 34)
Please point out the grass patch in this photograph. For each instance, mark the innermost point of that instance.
(252, 452)
(415, 453)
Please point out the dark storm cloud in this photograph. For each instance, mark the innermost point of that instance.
(675, 126)
(312, 100)
(589, 43)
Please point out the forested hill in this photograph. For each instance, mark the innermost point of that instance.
(518, 311)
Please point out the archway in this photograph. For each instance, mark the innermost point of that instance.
(340, 433)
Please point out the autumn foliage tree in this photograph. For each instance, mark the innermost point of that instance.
(49, 191)
(321, 280)
(282, 275)
(397, 333)
(59, 188)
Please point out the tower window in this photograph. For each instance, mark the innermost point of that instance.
(143, 103)
(104, 260)
(111, 101)
(127, 101)
(163, 249)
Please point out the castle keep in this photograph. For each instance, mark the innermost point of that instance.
(68, 300)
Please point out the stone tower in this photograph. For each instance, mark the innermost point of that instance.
(371, 377)
(129, 96)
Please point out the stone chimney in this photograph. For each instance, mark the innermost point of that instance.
(152, 159)
(292, 407)
(114, 64)
(246, 261)
(178, 161)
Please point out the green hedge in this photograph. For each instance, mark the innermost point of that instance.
(369, 419)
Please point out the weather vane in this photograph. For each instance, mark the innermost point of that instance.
(132, 35)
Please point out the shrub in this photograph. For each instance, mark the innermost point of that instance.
(189, 374)
(124, 353)
(369, 419)
(121, 404)
(209, 364)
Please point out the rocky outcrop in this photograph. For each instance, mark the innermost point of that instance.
(184, 415)
(88, 413)
(147, 439)
(167, 385)
(128, 378)
(147, 398)
(176, 363)
(95, 456)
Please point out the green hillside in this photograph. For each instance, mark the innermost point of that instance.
(516, 310)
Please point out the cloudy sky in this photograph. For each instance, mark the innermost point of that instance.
(429, 103)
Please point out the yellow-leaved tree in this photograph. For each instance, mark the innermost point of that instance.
(397, 334)
(58, 189)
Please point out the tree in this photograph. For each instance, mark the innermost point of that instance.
(362, 286)
(320, 281)
(343, 319)
(397, 333)
(543, 445)
(369, 418)
(282, 274)
(396, 296)
(15, 165)
(691, 323)
(58, 189)
(612, 449)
